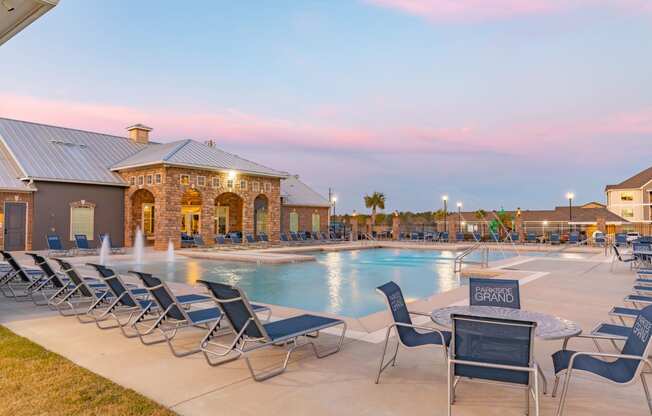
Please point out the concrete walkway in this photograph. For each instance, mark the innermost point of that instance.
(344, 383)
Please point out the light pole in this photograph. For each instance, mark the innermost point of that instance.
(570, 196)
(333, 201)
(459, 216)
(445, 199)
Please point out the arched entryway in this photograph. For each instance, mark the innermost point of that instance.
(228, 213)
(191, 212)
(261, 211)
(143, 213)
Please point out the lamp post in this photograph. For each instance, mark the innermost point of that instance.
(570, 196)
(333, 201)
(459, 216)
(445, 199)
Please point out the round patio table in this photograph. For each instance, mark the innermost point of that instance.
(549, 327)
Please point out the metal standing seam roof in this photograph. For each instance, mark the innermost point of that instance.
(297, 193)
(636, 181)
(62, 154)
(10, 175)
(191, 153)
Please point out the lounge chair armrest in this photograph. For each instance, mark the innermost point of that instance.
(607, 355)
(420, 313)
(423, 328)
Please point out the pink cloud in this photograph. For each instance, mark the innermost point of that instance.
(469, 11)
(233, 128)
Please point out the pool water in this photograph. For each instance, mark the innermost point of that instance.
(341, 283)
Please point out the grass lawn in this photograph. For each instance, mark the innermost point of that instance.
(34, 381)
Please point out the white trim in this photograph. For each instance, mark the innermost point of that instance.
(201, 167)
(79, 181)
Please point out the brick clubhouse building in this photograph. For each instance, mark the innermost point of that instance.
(56, 180)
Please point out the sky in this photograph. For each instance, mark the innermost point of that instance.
(495, 103)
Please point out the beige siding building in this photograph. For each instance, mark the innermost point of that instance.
(631, 198)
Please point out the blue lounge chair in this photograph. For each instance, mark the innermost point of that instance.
(174, 316)
(531, 238)
(599, 239)
(251, 334)
(495, 350)
(235, 238)
(503, 293)
(53, 284)
(574, 238)
(55, 246)
(627, 367)
(83, 297)
(443, 237)
(82, 246)
(494, 237)
(408, 336)
(477, 236)
(263, 238)
(114, 249)
(513, 237)
(129, 301)
(284, 239)
(198, 241)
(186, 240)
(622, 312)
(251, 241)
(555, 239)
(19, 282)
(621, 240)
(631, 260)
(459, 236)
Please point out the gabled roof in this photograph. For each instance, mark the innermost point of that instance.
(636, 181)
(10, 174)
(297, 193)
(50, 153)
(189, 153)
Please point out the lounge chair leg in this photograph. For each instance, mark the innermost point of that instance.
(527, 395)
(646, 389)
(382, 367)
(450, 388)
(536, 396)
(554, 388)
(564, 392)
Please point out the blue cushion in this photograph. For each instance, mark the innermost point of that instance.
(416, 339)
(204, 315)
(619, 310)
(298, 325)
(616, 371)
(639, 298)
(192, 298)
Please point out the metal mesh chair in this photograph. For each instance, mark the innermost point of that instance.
(252, 335)
(627, 367)
(496, 350)
(408, 336)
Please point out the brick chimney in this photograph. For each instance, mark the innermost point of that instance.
(139, 133)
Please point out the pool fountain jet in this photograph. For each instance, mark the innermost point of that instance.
(170, 255)
(105, 251)
(139, 246)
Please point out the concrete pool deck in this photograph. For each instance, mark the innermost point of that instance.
(582, 290)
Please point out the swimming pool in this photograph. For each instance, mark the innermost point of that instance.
(341, 283)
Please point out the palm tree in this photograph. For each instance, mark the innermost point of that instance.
(480, 214)
(440, 215)
(375, 201)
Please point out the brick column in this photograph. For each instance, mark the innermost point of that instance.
(354, 228)
(207, 219)
(602, 224)
(129, 223)
(274, 217)
(396, 226)
(518, 228)
(247, 215)
(167, 219)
